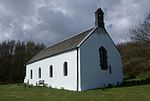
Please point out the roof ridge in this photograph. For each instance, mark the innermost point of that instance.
(87, 36)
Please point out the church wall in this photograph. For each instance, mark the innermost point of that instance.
(58, 80)
(91, 75)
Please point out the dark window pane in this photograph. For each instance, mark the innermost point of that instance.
(31, 74)
(39, 72)
(109, 69)
(65, 69)
(51, 71)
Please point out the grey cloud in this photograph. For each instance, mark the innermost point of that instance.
(49, 21)
(123, 16)
(19, 7)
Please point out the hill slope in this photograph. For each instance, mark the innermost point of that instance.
(136, 59)
(21, 93)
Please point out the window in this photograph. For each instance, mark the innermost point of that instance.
(103, 58)
(65, 69)
(39, 72)
(110, 69)
(31, 74)
(51, 71)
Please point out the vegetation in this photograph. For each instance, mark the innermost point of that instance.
(13, 56)
(14, 92)
(136, 61)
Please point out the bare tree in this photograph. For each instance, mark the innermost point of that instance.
(142, 32)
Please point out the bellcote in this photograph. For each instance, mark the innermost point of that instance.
(99, 18)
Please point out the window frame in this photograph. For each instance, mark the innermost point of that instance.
(103, 58)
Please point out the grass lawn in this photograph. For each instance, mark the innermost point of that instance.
(15, 92)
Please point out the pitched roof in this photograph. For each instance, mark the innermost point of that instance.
(66, 45)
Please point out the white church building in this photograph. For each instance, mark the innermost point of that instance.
(85, 61)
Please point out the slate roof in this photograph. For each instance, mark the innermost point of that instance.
(66, 45)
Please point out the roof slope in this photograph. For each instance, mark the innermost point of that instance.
(63, 46)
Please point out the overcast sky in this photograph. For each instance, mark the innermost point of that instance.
(49, 21)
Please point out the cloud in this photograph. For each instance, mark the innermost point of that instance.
(123, 16)
(49, 21)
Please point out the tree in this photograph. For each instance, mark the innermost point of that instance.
(142, 32)
(13, 57)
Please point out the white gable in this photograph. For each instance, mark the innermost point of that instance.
(91, 74)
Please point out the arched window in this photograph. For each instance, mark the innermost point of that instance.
(31, 74)
(103, 58)
(39, 72)
(65, 69)
(51, 71)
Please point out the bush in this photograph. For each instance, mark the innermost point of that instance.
(135, 59)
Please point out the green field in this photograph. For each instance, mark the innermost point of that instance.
(18, 92)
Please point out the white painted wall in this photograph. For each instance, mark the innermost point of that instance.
(58, 80)
(91, 74)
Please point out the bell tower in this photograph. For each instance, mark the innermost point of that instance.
(99, 18)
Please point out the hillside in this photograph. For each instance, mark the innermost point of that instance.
(21, 93)
(136, 59)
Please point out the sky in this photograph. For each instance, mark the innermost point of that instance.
(49, 21)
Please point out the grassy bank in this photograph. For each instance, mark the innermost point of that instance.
(15, 92)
